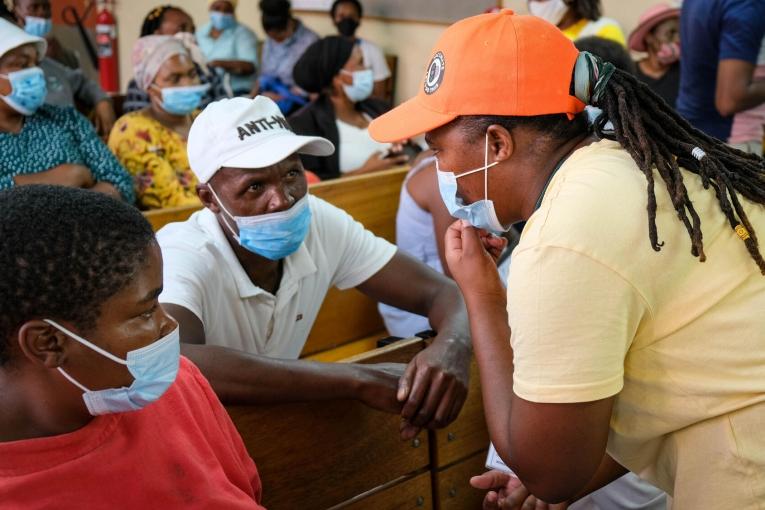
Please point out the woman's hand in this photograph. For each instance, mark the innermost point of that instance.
(471, 255)
(68, 174)
(377, 162)
(506, 492)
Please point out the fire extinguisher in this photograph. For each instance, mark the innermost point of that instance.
(106, 44)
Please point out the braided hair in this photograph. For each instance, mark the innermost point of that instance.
(153, 20)
(658, 137)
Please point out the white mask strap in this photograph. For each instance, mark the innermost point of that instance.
(73, 380)
(84, 342)
(225, 220)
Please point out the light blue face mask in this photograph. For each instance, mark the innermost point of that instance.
(274, 236)
(154, 368)
(39, 27)
(221, 20)
(182, 100)
(28, 90)
(480, 214)
(363, 84)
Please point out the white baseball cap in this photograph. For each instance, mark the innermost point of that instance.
(11, 37)
(245, 133)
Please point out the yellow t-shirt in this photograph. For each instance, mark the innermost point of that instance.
(156, 158)
(596, 312)
(604, 27)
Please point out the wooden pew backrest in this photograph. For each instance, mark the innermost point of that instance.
(322, 454)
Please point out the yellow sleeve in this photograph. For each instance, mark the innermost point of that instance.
(573, 320)
(143, 150)
(614, 33)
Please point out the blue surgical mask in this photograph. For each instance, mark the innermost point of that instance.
(28, 90)
(363, 85)
(154, 368)
(221, 20)
(480, 214)
(39, 27)
(182, 100)
(274, 236)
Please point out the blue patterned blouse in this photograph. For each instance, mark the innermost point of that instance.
(58, 135)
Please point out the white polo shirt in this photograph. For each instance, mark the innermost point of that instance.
(202, 274)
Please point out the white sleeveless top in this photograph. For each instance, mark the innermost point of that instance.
(415, 236)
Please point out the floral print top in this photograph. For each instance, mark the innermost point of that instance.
(156, 158)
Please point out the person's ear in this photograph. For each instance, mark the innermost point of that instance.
(207, 198)
(501, 143)
(42, 344)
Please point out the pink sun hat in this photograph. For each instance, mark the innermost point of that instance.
(648, 20)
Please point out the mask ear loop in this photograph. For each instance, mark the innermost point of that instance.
(225, 220)
(486, 167)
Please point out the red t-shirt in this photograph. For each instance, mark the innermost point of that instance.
(183, 451)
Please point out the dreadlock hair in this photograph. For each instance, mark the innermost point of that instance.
(587, 9)
(657, 137)
(153, 20)
(65, 252)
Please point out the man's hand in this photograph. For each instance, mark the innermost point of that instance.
(508, 493)
(472, 266)
(70, 175)
(104, 118)
(378, 384)
(434, 386)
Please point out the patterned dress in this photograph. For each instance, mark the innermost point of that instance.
(55, 136)
(156, 158)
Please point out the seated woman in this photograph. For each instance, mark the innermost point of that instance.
(151, 142)
(230, 46)
(172, 20)
(44, 144)
(332, 68)
(67, 86)
(578, 18)
(94, 433)
(346, 16)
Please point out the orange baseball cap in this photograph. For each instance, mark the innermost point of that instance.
(491, 64)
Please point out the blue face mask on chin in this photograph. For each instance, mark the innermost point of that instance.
(221, 20)
(363, 85)
(182, 100)
(28, 90)
(274, 236)
(481, 213)
(39, 27)
(154, 369)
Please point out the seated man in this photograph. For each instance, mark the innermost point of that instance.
(250, 271)
(66, 86)
(79, 282)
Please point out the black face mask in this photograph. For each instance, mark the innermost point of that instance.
(347, 27)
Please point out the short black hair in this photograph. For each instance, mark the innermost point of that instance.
(153, 20)
(6, 14)
(275, 14)
(587, 9)
(608, 50)
(64, 252)
(356, 3)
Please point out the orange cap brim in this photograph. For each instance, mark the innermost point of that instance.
(407, 120)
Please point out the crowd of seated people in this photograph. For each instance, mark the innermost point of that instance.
(218, 307)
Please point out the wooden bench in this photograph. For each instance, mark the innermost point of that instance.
(332, 455)
(348, 322)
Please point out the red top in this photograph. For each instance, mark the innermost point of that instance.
(180, 452)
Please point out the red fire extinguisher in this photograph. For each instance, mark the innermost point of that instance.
(106, 43)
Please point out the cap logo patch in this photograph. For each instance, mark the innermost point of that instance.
(263, 124)
(435, 73)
